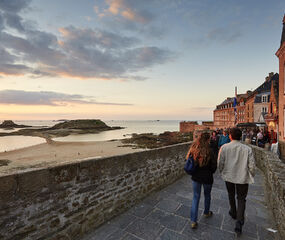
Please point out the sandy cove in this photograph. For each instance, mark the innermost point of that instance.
(50, 154)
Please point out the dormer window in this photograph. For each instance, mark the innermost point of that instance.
(264, 98)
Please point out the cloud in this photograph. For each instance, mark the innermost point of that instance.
(14, 6)
(133, 16)
(75, 52)
(20, 97)
(133, 10)
(225, 35)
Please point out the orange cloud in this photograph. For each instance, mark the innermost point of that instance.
(64, 32)
(122, 7)
(4, 74)
(128, 14)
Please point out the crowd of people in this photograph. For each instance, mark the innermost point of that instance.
(223, 149)
(256, 136)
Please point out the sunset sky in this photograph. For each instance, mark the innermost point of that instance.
(132, 59)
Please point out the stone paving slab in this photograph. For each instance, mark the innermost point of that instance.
(165, 215)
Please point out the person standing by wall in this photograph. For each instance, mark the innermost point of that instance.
(224, 138)
(236, 164)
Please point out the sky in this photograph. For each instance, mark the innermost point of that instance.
(132, 59)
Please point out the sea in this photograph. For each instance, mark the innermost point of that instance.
(9, 143)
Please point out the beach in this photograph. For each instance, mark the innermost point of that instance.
(55, 153)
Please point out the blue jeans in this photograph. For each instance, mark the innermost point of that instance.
(196, 198)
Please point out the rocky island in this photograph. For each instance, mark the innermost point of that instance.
(9, 124)
(81, 126)
(150, 140)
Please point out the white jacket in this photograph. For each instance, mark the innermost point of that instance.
(236, 163)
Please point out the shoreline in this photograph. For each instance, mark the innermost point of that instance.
(54, 153)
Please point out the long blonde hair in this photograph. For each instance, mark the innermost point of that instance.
(200, 149)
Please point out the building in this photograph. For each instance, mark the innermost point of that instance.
(271, 117)
(262, 96)
(224, 114)
(191, 126)
(281, 108)
(251, 107)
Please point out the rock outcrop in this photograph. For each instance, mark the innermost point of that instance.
(150, 140)
(81, 126)
(9, 124)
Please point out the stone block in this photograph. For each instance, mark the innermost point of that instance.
(145, 230)
(63, 173)
(8, 187)
(33, 182)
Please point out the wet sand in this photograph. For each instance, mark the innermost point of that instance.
(54, 153)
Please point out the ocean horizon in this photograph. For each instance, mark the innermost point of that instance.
(9, 143)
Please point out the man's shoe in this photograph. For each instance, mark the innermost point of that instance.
(207, 215)
(194, 225)
(234, 216)
(238, 228)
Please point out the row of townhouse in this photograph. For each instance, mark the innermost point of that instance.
(265, 104)
(258, 106)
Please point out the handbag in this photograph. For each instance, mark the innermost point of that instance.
(190, 165)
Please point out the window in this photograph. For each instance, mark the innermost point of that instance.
(264, 109)
(264, 98)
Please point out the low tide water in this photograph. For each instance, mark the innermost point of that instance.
(129, 127)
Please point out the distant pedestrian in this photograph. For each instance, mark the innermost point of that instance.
(206, 162)
(260, 139)
(243, 135)
(224, 138)
(273, 137)
(237, 166)
(214, 140)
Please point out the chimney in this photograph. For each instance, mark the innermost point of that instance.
(235, 91)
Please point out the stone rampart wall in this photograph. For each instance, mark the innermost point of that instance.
(192, 126)
(274, 171)
(64, 202)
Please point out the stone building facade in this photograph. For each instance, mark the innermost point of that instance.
(191, 126)
(261, 105)
(281, 118)
(271, 118)
(249, 109)
(224, 114)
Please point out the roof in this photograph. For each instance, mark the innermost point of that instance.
(258, 97)
(228, 100)
(264, 88)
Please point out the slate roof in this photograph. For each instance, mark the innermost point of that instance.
(258, 97)
(264, 88)
(228, 100)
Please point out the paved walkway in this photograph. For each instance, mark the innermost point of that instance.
(165, 216)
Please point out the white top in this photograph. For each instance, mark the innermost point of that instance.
(236, 163)
(260, 135)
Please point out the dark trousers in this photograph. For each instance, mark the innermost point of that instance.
(241, 191)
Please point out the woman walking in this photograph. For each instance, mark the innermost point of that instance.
(206, 162)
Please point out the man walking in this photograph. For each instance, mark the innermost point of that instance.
(237, 166)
